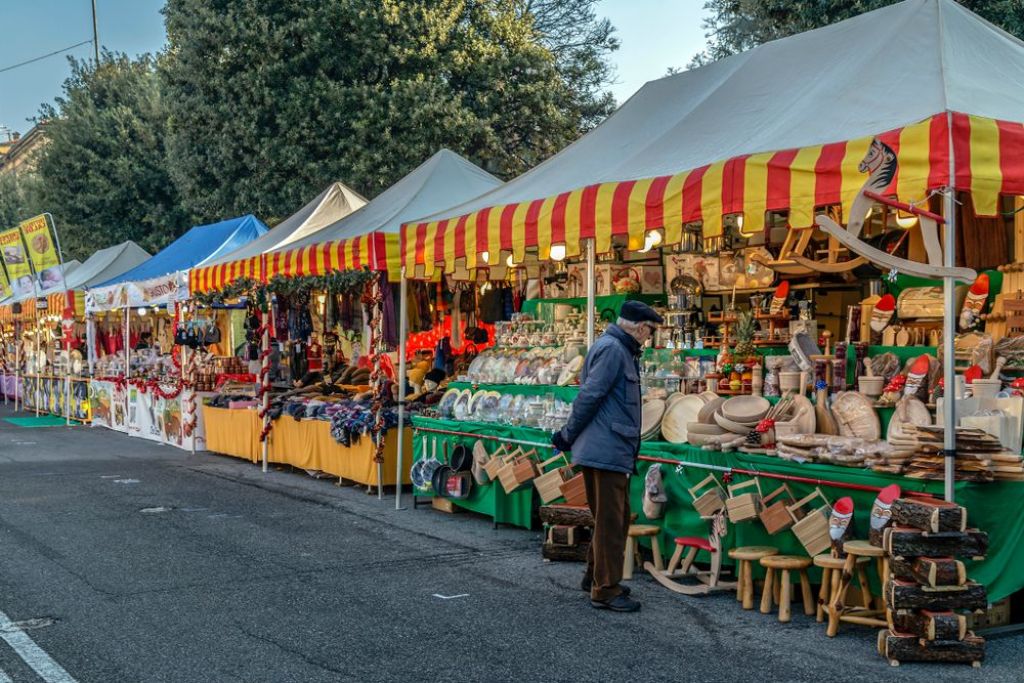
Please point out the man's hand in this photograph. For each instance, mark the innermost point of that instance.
(559, 441)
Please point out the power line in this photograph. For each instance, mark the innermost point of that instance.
(51, 54)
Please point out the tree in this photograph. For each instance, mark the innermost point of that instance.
(738, 25)
(271, 100)
(18, 198)
(103, 173)
(581, 44)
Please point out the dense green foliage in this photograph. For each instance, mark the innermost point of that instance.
(737, 25)
(271, 100)
(103, 173)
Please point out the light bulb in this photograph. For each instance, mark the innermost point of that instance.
(510, 262)
(142, 310)
(558, 252)
(868, 214)
(906, 222)
(485, 257)
(656, 237)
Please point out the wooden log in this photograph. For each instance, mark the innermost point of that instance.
(929, 625)
(907, 542)
(566, 515)
(929, 514)
(906, 647)
(909, 596)
(565, 553)
(929, 571)
(560, 534)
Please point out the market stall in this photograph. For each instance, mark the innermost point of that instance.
(152, 359)
(829, 279)
(326, 323)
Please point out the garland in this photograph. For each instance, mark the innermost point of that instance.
(346, 281)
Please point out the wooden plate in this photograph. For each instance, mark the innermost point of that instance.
(707, 413)
(746, 408)
(651, 414)
(682, 412)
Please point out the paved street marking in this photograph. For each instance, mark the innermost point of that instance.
(33, 655)
(150, 511)
(4, 678)
(451, 597)
(126, 481)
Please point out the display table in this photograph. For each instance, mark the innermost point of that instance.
(993, 507)
(987, 505)
(233, 432)
(306, 444)
(490, 499)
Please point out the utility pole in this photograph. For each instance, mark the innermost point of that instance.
(95, 36)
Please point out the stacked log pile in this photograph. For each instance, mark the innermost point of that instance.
(928, 590)
(568, 530)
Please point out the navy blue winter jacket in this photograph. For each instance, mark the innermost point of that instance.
(604, 427)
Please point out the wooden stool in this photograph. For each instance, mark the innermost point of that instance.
(864, 616)
(785, 564)
(744, 556)
(633, 551)
(831, 571)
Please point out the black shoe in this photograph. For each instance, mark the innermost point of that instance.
(587, 583)
(620, 603)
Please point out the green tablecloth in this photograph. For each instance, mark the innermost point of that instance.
(490, 499)
(567, 394)
(997, 508)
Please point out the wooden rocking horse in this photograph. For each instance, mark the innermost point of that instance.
(880, 163)
(793, 262)
(680, 567)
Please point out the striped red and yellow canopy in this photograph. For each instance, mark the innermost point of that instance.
(376, 251)
(56, 302)
(989, 157)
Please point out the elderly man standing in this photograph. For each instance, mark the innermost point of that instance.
(603, 433)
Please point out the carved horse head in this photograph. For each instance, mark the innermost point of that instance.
(880, 162)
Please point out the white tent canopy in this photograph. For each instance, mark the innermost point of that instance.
(106, 264)
(875, 72)
(328, 207)
(429, 187)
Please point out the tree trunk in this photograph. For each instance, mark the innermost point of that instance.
(929, 625)
(929, 515)
(906, 647)
(566, 515)
(929, 571)
(565, 553)
(904, 595)
(906, 542)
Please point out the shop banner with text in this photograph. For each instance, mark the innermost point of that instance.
(16, 259)
(43, 253)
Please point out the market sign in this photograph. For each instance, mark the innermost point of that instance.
(19, 270)
(43, 252)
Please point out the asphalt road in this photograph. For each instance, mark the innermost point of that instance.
(129, 561)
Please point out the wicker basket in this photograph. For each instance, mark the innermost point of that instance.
(774, 510)
(812, 529)
(708, 496)
(744, 507)
(549, 484)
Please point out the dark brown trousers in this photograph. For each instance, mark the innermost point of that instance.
(608, 497)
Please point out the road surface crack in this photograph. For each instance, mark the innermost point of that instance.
(292, 651)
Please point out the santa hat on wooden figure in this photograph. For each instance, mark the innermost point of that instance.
(881, 513)
(840, 524)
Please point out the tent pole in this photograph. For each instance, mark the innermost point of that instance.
(403, 332)
(948, 322)
(265, 383)
(591, 283)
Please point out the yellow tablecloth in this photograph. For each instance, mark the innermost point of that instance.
(306, 444)
(233, 432)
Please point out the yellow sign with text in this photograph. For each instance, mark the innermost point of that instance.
(5, 284)
(16, 259)
(43, 252)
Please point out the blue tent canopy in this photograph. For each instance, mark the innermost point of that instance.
(199, 245)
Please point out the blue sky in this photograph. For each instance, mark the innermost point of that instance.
(655, 35)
